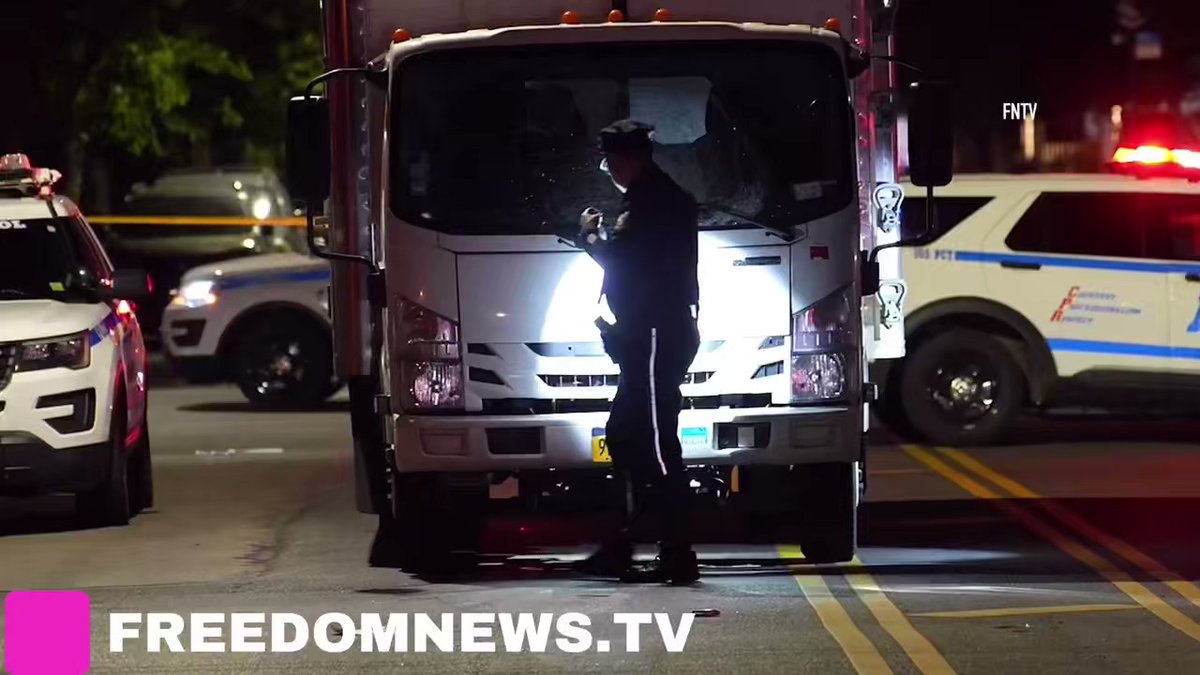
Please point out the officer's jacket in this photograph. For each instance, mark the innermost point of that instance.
(649, 258)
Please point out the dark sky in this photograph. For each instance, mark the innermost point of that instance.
(1055, 52)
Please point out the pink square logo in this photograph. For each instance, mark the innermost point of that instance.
(47, 633)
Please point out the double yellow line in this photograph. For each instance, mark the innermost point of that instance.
(864, 656)
(1068, 531)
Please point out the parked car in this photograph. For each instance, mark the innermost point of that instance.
(262, 322)
(182, 240)
(72, 360)
(1047, 290)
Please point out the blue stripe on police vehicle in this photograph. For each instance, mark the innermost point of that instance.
(235, 283)
(1101, 346)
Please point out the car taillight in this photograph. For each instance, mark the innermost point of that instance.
(430, 358)
(823, 350)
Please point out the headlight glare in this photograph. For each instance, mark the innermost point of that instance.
(73, 351)
(194, 294)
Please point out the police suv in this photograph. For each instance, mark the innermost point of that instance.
(72, 360)
(1047, 290)
(261, 321)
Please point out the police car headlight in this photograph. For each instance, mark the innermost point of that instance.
(196, 294)
(73, 351)
(823, 348)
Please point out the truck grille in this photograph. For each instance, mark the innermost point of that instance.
(542, 406)
(8, 363)
(609, 380)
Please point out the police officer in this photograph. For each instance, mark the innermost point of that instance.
(649, 261)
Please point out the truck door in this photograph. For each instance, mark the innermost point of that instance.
(1074, 263)
(1173, 229)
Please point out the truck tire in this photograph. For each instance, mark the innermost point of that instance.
(284, 361)
(439, 526)
(829, 511)
(962, 387)
(110, 503)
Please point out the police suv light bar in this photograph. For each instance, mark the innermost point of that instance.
(17, 173)
(1157, 160)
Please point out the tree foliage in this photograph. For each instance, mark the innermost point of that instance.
(153, 89)
(129, 87)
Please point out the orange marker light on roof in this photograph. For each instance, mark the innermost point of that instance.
(616, 16)
(401, 35)
(572, 18)
(662, 15)
(834, 24)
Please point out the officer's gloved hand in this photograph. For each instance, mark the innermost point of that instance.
(589, 222)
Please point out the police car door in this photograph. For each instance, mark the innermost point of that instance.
(1173, 229)
(1074, 264)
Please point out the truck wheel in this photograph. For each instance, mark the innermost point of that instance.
(284, 361)
(961, 387)
(829, 511)
(439, 526)
(110, 503)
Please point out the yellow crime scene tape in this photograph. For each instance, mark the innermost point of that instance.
(184, 221)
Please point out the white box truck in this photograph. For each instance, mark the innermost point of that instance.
(446, 164)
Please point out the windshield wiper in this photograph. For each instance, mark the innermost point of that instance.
(15, 293)
(782, 233)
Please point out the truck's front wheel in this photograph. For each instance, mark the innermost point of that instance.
(439, 525)
(829, 511)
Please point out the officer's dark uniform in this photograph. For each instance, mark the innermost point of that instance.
(650, 282)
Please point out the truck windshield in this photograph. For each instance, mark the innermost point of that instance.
(492, 142)
(39, 260)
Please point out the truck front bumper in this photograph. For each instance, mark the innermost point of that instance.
(730, 436)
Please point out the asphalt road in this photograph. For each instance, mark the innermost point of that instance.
(1072, 551)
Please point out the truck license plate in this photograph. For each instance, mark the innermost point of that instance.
(695, 438)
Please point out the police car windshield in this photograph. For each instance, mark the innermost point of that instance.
(504, 141)
(38, 260)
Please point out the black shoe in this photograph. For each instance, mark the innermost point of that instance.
(612, 560)
(675, 568)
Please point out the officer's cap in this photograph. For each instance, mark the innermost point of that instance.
(626, 136)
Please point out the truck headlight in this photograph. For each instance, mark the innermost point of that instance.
(72, 351)
(194, 294)
(431, 368)
(823, 348)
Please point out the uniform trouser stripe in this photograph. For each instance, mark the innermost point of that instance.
(654, 401)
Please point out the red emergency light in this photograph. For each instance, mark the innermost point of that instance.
(1157, 160)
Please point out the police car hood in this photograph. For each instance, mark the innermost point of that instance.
(22, 320)
(257, 265)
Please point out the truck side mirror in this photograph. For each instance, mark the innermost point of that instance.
(308, 157)
(930, 134)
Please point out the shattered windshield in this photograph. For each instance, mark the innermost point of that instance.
(504, 141)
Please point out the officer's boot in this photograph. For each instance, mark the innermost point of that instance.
(674, 565)
(613, 559)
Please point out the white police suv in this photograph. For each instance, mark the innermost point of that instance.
(261, 321)
(1047, 290)
(72, 361)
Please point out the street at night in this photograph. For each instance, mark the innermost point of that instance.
(1030, 557)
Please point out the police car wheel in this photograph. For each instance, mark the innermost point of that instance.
(282, 360)
(110, 502)
(962, 387)
(143, 471)
(828, 511)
